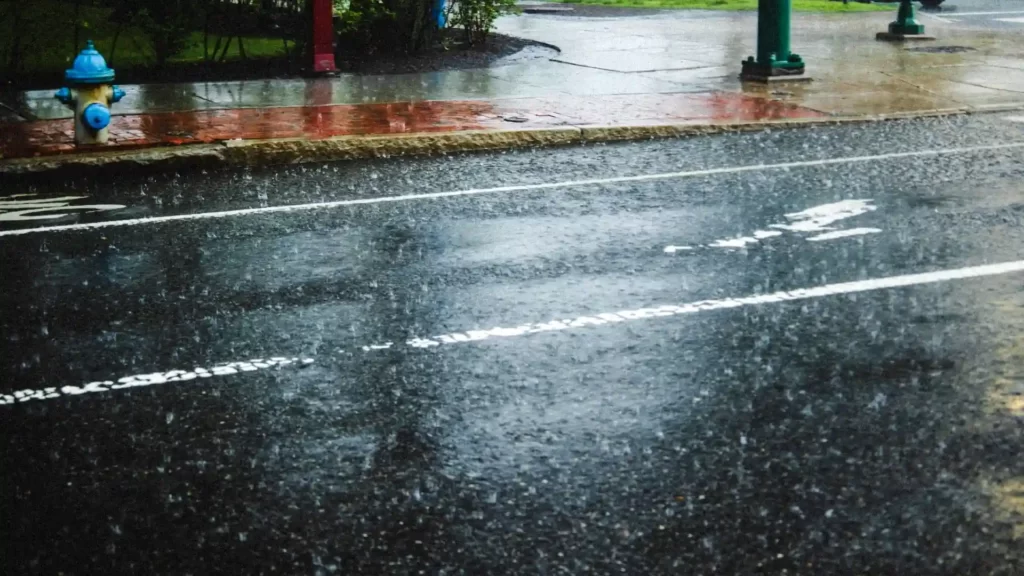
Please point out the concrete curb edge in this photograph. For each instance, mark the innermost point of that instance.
(299, 150)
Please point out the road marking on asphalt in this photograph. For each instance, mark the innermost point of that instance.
(843, 234)
(580, 322)
(709, 305)
(29, 207)
(1012, 20)
(816, 219)
(673, 249)
(514, 188)
(742, 241)
(1014, 118)
(958, 14)
(142, 380)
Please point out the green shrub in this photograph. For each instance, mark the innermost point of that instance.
(476, 17)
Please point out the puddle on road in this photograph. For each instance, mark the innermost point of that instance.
(1006, 394)
(1008, 500)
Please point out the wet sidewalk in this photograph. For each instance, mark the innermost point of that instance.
(50, 137)
(669, 68)
(853, 74)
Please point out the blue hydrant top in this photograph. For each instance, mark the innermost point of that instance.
(89, 68)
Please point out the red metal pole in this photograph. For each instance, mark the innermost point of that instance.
(323, 36)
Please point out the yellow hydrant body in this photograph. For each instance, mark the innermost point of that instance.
(90, 95)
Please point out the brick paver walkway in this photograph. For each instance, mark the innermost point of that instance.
(49, 137)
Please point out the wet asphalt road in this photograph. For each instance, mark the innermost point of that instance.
(994, 14)
(375, 422)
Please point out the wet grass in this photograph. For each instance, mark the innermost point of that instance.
(798, 5)
(49, 46)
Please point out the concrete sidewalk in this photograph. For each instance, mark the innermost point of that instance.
(853, 74)
(634, 75)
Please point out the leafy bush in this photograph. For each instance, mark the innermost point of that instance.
(476, 17)
(359, 24)
(168, 23)
(39, 37)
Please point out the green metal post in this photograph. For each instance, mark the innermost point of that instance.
(905, 22)
(773, 41)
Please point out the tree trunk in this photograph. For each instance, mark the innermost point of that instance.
(14, 61)
(113, 44)
(242, 24)
(216, 45)
(227, 45)
(417, 27)
(139, 48)
(206, 37)
(78, 19)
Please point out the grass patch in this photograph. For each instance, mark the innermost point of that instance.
(798, 5)
(49, 32)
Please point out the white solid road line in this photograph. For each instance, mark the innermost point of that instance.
(959, 14)
(516, 188)
(1014, 118)
(707, 305)
(1011, 20)
(579, 322)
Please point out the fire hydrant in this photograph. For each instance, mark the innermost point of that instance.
(90, 94)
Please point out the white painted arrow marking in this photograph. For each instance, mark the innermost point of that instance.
(27, 207)
(816, 219)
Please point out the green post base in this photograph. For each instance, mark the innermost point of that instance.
(905, 24)
(773, 59)
(906, 28)
(792, 69)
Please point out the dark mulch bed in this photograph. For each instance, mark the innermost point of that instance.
(456, 57)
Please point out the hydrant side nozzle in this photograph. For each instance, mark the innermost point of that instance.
(64, 96)
(117, 94)
(96, 116)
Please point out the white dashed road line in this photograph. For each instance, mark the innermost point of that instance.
(578, 323)
(142, 380)
(510, 189)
